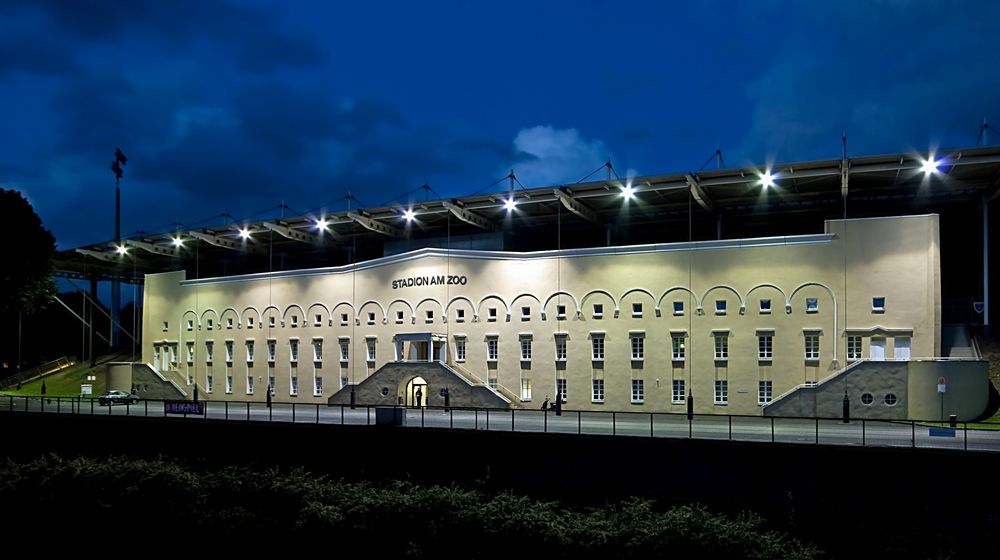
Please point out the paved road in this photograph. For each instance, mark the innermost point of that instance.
(739, 428)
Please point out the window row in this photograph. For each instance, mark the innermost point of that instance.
(293, 350)
(293, 384)
(677, 391)
(721, 308)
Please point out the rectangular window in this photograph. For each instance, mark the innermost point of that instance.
(208, 383)
(250, 351)
(678, 308)
(721, 347)
(249, 322)
(271, 350)
(190, 324)
(399, 317)
(560, 348)
(491, 314)
(491, 350)
(598, 310)
(812, 347)
(597, 388)
(318, 321)
(492, 382)
(429, 316)
(525, 389)
(677, 348)
(560, 312)
(317, 386)
(317, 350)
(295, 321)
(459, 349)
(293, 350)
(637, 310)
(209, 351)
(209, 324)
(764, 347)
(763, 392)
(812, 305)
(229, 322)
(371, 318)
(878, 304)
(720, 307)
(270, 384)
(293, 386)
(525, 349)
(597, 348)
(343, 319)
(677, 392)
(165, 326)
(561, 389)
(270, 322)
(229, 351)
(638, 347)
(229, 384)
(721, 391)
(638, 395)
(765, 306)
(370, 346)
(249, 384)
(173, 354)
(525, 313)
(459, 315)
(190, 352)
(343, 382)
(853, 347)
(345, 350)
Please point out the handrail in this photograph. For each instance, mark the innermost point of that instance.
(58, 364)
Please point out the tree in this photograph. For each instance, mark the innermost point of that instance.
(26, 283)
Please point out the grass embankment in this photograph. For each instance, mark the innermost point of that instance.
(64, 383)
(398, 519)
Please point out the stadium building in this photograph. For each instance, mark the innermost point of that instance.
(822, 283)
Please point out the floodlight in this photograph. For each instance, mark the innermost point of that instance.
(321, 224)
(121, 249)
(509, 204)
(408, 215)
(767, 179)
(929, 166)
(245, 233)
(628, 193)
(177, 241)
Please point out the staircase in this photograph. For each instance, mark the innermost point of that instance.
(386, 387)
(501, 391)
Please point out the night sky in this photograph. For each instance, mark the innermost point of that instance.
(236, 106)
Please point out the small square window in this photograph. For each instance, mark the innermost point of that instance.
(678, 308)
(525, 313)
(598, 310)
(343, 319)
(295, 321)
(812, 305)
(560, 312)
(459, 315)
(491, 314)
(765, 306)
(720, 307)
(190, 324)
(165, 327)
(229, 323)
(399, 317)
(318, 321)
(878, 304)
(250, 322)
(270, 322)
(637, 310)
(429, 316)
(371, 318)
(209, 324)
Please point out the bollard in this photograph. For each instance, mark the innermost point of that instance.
(847, 408)
(354, 398)
(953, 420)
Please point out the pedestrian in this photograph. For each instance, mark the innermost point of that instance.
(419, 395)
(545, 403)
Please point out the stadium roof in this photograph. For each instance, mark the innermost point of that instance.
(721, 203)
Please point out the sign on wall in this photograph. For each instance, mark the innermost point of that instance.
(432, 280)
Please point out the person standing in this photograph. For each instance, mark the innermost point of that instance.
(418, 396)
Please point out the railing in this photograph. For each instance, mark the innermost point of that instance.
(770, 429)
(38, 371)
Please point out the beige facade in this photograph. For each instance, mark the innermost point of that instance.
(732, 322)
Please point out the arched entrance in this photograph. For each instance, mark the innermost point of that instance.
(410, 396)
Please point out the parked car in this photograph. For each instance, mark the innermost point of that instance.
(109, 398)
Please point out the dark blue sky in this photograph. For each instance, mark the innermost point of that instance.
(236, 106)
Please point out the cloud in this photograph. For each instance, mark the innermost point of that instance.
(551, 156)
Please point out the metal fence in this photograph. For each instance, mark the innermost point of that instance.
(825, 431)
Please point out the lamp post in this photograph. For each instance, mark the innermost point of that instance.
(116, 296)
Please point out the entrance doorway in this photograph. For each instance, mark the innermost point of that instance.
(415, 393)
(420, 347)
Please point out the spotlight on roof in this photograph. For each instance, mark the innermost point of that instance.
(929, 166)
(767, 179)
(510, 204)
(628, 192)
(121, 249)
(408, 215)
(321, 224)
(245, 233)
(177, 241)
